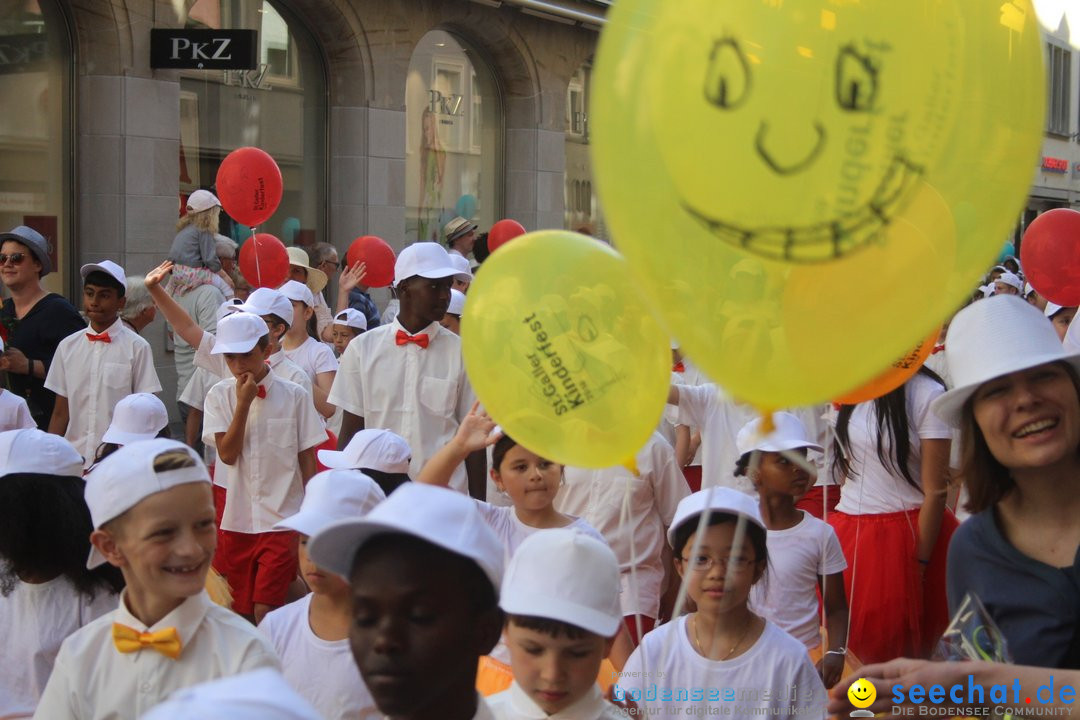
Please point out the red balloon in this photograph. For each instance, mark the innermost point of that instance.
(379, 257)
(264, 261)
(1050, 255)
(503, 232)
(249, 185)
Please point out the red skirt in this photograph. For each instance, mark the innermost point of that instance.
(892, 612)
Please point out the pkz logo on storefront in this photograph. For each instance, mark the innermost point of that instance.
(452, 104)
(203, 49)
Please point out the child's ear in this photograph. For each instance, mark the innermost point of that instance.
(105, 543)
(123, 302)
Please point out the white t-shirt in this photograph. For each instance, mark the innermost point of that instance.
(322, 671)
(597, 497)
(872, 488)
(313, 357)
(774, 677)
(788, 594)
(391, 311)
(36, 618)
(693, 377)
(515, 704)
(14, 412)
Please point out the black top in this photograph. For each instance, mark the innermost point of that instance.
(37, 334)
(1036, 606)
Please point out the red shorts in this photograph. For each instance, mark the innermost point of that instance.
(259, 567)
(692, 473)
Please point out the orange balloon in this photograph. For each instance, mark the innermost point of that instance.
(897, 374)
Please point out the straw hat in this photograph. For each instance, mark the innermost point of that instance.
(316, 279)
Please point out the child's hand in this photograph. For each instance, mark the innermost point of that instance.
(830, 668)
(155, 276)
(352, 276)
(246, 388)
(474, 433)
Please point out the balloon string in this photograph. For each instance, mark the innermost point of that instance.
(258, 271)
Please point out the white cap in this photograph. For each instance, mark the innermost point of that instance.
(33, 451)
(137, 417)
(351, 318)
(789, 434)
(1011, 279)
(1052, 309)
(1028, 289)
(268, 301)
(714, 500)
(109, 268)
(261, 694)
(564, 575)
(238, 333)
(437, 515)
(371, 449)
(333, 495)
(991, 338)
(987, 290)
(122, 480)
(426, 259)
(2, 347)
(202, 200)
(462, 264)
(457, 303)
(297, 291)
(229, 307)
(316, 279)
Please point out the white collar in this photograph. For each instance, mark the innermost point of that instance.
(589, 707)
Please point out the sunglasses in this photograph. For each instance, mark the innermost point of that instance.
(15, 258)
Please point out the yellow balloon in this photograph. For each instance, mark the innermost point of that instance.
(562, 351)
(806, 188)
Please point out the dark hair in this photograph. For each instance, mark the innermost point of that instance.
(104, 450)
(480, 248)
(387, 481)
(101, 279)
(890, 410)
(987, 480)
(753, 531)
(263, 341)
(742, 464)
(273, 319)
(498, 453)
(547, 626)
(45, 531)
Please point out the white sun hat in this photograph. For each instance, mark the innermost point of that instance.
(316, 279)
(789, 434)
(994, 337)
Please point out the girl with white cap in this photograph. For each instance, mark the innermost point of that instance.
(194, 249)
(140, 416)
(1016, 400)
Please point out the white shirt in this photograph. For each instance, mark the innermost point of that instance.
(313, 357)
(691, 375)
(94, 376)
(874, 489)
(515, 704)
(420, 394)
(322, 671)
(36, 618)
(14, 412)
(92, 680)
(777, 664)
(265, 485)
(391, 311)
(788, 593)
(654, 494)
(719, 418)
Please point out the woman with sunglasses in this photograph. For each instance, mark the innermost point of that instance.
(33, 321)
(1016, 400)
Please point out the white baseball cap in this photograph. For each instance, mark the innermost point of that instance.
(437, 515)
(426, 259)
(238, 333)
(714, 500)
(789, 434)
(461, 262)
(30, 450)
(565, 575)
(261, 694)
(351, 318)
(1052, 309)
(122, 480)
(316, 279)
(201, 200)
(267, 301)
(994, 337)
(229, 307)
(333, 495)
(108, 267)
(140, 416)
(1011, 279)
(297, 291)
(457, 303)
(371, 449)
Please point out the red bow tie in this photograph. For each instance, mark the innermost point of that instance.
(678, 367)
(103, 337)
(937, 349)
(261, 392)
(404, 338)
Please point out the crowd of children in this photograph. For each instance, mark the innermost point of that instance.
(345, 532)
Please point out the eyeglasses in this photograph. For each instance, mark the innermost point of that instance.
(15, 258)
(704, 563)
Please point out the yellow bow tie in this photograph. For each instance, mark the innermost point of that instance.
(129, 640)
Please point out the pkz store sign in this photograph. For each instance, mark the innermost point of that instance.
(204, 49)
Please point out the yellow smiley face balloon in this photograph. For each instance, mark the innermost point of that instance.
(862, 693)
(806, 188)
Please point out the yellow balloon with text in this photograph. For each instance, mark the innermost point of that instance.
(805, 188)
(563, 352)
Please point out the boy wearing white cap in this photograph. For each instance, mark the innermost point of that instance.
(151, 505)
(382, 455)
(348, 324)
(1008, 284)
(425, 571)
(311, 635)
(313, 357)
(14, 412)
(452, 319)
(409, 376)
(94, 369)
(139, 416)
(561, 597)
(265, 430)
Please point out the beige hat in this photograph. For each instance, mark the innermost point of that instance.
(316, 279)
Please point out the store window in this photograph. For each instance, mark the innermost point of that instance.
(35, 129)
(453, 140)
(280, 106)
(1058, 70)
(582, 208)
